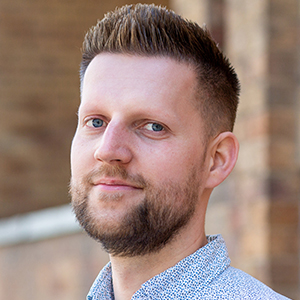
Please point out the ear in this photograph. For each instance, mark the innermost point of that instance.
(222, 154)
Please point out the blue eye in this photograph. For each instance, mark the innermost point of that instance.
(96, 123)
(154, 127)
(157, 127)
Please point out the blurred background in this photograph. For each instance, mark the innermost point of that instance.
(43, 253)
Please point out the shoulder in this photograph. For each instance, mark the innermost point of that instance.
(236, 284)
(206, 275)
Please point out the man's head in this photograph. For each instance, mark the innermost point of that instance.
(148, 30)
(143, 163)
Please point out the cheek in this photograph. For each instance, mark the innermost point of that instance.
(81, 157)
(168, 164)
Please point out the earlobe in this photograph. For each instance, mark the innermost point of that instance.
(223, 154)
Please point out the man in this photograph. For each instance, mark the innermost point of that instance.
(154, 137)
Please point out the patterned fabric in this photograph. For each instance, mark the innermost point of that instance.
(206, 274)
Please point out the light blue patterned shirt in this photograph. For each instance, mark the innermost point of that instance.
(205, 274)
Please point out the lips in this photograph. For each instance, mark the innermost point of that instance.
(112, 184)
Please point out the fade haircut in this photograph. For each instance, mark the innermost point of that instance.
(149, 30)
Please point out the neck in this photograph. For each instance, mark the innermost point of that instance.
(129, 273)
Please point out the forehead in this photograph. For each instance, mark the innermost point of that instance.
(127, 79)
(111, 61)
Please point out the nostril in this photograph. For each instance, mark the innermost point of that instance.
(112, 152)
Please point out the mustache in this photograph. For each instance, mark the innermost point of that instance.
(116, 171)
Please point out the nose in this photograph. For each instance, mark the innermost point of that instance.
(114, 145)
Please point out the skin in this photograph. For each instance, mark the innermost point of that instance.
(130, 94)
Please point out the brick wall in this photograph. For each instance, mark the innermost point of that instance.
(256, 209)
(284, 179)
(60, 268)
(40, 45)
(247, 44)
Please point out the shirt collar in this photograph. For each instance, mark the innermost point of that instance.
(102, 288)
(196, 270)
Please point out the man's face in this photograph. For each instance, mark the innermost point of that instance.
(138, 154)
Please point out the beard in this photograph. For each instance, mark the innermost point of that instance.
(147, 226)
